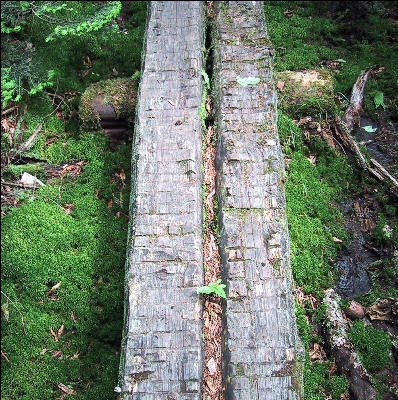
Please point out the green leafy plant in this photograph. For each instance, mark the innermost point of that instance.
(214, 287)
(379, 100)
(369, 129)
(251, 80)
(373, 345)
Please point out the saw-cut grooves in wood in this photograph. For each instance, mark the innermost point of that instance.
(212, 385)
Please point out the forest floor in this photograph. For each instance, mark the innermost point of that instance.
(342, 222)
(63, 244)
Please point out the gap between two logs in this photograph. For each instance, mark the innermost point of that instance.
(212, 384)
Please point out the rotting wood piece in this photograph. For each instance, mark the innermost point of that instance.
(347, 360)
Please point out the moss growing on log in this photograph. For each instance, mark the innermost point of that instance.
(120, 94)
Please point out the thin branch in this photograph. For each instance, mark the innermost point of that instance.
(22, 318)
(22, 185)
(5, 112)
(5, 357)
(31, 139)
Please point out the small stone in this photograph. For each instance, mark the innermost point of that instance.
(28, 179)
(212, 367)
(355, 310)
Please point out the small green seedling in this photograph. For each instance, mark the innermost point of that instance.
(214, 287)
(251, 80)
(206, 79)
(369, 129)
(379, 100)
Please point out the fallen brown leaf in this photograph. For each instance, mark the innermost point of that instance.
(208, 104)
(288, 13)
(73, 316)
(68, 208)
(337, 240)
(61, 330)
(312, 159)
(65, 389)
(6, 313)
(76, 355)
(122, 176)
(332, 369)
(43, 351)
(57, 354)
(280, 85)
(54, 335)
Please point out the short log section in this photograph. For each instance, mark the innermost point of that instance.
(262, 347)
(162, 344)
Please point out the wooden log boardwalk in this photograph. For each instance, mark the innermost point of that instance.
(162, 347)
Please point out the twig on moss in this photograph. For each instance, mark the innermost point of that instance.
(22, 318)
(5, 357)
(9, 110)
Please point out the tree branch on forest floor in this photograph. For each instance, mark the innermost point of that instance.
(344, 126)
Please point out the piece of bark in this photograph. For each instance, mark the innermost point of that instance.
(346, 358)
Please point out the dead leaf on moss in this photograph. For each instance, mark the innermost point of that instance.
(61, 330)
(316, 352)
(68, 208)
(43, 351)
(52, 290)
(54, 335)
(332, 369)
(57, 354)
(4, 309)
(75, 355)
(280, 85)
(73, 316)
(312, 159)
(288, 13)
(65, 389)
(59, 333)
(337, 240)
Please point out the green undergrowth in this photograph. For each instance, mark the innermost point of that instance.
(63, 248)
(312, 38)
(316, 178)
(373, 346)
(343, 42)
(42, 245)
(79, 61)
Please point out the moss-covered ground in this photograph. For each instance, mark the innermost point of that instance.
(63, 246)
(313, 35)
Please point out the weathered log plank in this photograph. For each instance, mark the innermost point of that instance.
(162, 343)
(263, 350)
